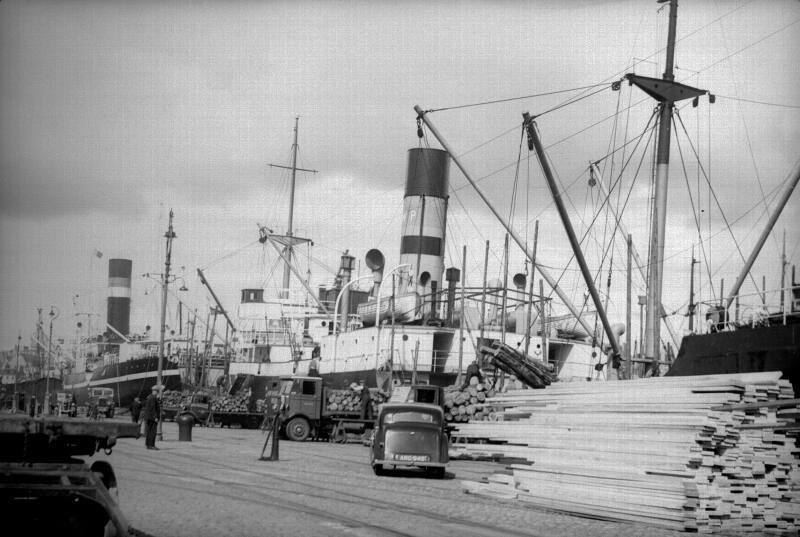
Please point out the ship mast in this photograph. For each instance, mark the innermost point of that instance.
(667, 92)
(289, 248)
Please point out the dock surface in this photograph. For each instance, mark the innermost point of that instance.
(215, 485)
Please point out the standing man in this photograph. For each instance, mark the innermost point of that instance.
(151, 415)
(136, 410)
(366, 402)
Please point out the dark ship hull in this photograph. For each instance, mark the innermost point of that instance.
(129, 379)
(745, 350)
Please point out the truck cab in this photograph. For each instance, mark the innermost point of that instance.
(101, 399)
(67, 404)
(200, 406)
(298, 402)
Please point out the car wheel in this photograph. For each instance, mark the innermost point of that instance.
(298, 429)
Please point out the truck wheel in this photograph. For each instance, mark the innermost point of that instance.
(378, 469)
(298, 429)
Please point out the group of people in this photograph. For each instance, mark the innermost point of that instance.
(149, 413)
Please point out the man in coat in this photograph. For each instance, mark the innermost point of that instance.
(366, 402)
(150, 415)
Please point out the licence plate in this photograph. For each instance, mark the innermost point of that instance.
(413, 458)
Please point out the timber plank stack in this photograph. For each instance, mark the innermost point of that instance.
(704, 454)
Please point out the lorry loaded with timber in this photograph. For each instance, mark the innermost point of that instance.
(47, 488)
(241, 409)
(208, 408)
(308, 408)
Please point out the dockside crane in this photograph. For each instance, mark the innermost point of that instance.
(222, 310)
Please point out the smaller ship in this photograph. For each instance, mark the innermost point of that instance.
(129, 366)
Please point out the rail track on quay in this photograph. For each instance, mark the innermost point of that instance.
(280, 486)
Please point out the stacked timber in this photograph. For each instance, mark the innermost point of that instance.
(527, 369)
(468, 403)
(349, 400)
(174, 398)
(705, 454)
(231, 403)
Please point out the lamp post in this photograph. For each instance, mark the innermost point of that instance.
(16, 373)
(378, 312)
(169, 235)
(53, 315)
(336, 314)
(642, 302)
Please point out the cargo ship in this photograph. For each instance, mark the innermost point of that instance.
(429, 327)
(127, 364)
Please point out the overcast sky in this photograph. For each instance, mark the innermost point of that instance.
(114, 112)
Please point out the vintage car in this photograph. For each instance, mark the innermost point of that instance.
(410, 435)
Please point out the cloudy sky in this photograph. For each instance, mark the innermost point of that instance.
(111, 113)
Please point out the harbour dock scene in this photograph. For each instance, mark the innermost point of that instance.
(442, 269)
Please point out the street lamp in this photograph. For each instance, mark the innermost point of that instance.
(53, 315)
(169, 235)
(378, 312)
(16, 373)
(336, 314)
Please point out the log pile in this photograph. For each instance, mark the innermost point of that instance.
(174, 398)
(469, 403)
(527, 369)
(703, 454)
(231, 403)
(349, 400)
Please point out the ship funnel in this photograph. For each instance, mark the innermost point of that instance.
(375, 262)
(424, 220)
(519, 281)
(118, 313)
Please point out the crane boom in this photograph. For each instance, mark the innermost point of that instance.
(214, 296)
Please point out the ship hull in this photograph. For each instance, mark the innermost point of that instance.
(129, 379)
(747, 350)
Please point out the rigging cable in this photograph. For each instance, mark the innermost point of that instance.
(509, 99)
(588, 229)
(794, 107)
(716, 200)
(694, 210)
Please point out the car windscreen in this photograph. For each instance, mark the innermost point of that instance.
(411, 416)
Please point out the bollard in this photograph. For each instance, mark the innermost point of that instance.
(185, 423)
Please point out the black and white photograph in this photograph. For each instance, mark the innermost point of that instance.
(477, 268)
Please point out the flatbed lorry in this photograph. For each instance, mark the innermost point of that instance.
(304, 407)
(46, 489)
(301, 403)
(211, 410)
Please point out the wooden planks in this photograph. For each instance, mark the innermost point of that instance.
(703, 454)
